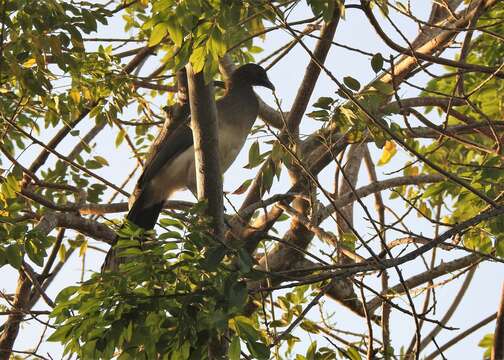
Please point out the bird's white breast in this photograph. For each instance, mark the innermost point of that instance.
(179, 174)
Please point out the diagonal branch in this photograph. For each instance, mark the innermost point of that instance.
(417, 280)
(498, 346)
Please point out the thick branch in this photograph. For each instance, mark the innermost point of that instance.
(414, 281)
(101, 209)
(350, 172)
(375, 187)
(434, 43)
(441, 102)
(498, 346)
(206, 147)
(11, 326)
(302, 99)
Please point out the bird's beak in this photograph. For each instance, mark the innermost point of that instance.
(269, 84)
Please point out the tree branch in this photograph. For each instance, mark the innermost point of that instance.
(498, 345)
(461, 336)
(414, 281)
(206, 147)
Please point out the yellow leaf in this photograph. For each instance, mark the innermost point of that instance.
(29, 63)
(411, 170)
(197, 59)
(83, 249)
(157, 34)
(75, 95)
(389, 151)
(87, 94)
(144, 2)
(62, 253)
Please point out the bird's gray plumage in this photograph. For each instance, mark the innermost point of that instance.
(172, 168)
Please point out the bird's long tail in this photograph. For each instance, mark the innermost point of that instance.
(144, 214)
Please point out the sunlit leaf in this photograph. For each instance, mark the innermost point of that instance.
(389, 150)
(157, 34)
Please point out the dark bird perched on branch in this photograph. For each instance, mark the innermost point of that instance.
(172, 168)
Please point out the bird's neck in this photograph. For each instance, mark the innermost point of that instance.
(238, 86)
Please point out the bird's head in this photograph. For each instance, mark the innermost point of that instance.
(253, 75)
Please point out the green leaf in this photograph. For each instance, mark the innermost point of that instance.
(311, 351)
(309, 326)
(246, 329)
(258, 350)
(3, 259)
(319, 115)
(175, 31)
(216, 44)
(254, 156)
(198, 58)
(62, 253)
(120, 138)
(101, 160)
(14, 255)
(267, 176)
(210, 69)
(324, 102)
(60, 334)
(130, 252)
(157, 34)
(234, 349)
(238, 295)
(245, 261)
(35, 253)
(353, 354)
(351, 83)
(382, 87)
(93, 164)
(377, 62)
(213, 257)
(383, 7)
(65, 294)
(75, 95)
(487, 343)
(183, 352)
(83, 248)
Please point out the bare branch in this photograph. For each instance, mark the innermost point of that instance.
(372, 188)
(461, 336)
(414, 281)
(206, 147)
(498, 346)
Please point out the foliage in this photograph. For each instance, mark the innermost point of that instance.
(172, 298)
(180, 291)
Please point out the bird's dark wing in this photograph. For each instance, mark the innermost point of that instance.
(176, 143)
(148, 200)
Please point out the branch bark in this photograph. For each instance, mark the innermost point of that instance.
(414, 281)
(498, 346)
(303, 96)
(461, 336)
(206, 147)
